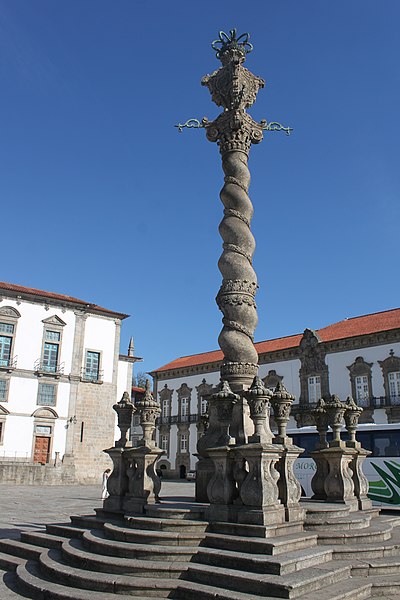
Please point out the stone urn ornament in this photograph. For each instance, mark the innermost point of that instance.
(351, 418)
(258, 398)
(124, 409)
(281, 403)
(148, 409)
(321, 421)
(224, 400)
(335, 410)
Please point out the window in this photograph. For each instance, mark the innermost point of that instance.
(3, 390)
(165, 408)
(184, 407)
(92, 366)
(46, 394)
(362, 387)
(203, 406)
(51, 351)
(394, 385)
(164, 443)
(314, 388)
(6, 328)
(5, 345)
(183, 442)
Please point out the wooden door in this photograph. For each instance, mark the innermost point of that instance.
(41, 451)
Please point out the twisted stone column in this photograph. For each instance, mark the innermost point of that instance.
(234, 88)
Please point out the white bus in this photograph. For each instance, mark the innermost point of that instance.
(382, 467)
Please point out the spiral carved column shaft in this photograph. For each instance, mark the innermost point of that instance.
(235, 88)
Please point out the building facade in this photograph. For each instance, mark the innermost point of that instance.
(61, 371)
(358, 357)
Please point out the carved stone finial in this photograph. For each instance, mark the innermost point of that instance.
(124, 409)
(335, 410)
(351, 418)
(321, 421)
(131, 348)
(281, 403)
(149, 410)
(258, 398)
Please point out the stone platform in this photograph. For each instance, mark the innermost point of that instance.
(172, 551)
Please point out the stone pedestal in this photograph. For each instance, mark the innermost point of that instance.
(320, 475)
(359, 480)
(144, 483)
(118, 482)
(338, 483)
(259, 491)
(288, 484)
(221, 490)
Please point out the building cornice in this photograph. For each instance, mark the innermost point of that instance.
(354, 343)
(57, 301)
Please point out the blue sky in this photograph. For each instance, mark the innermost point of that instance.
(103, 199)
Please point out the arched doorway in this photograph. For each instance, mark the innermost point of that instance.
(182, 472)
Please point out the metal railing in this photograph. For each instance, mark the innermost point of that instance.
(9, 363)
(178, 419)
(43, 367)
(92, 375)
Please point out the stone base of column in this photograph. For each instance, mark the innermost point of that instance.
(338, 484)
(204, 474)
(288, 485)
(270, 515)
(117, 484)
(360, 481)
(259, 490)
(222, 513)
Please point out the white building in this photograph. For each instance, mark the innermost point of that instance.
(358, 357)
(60, 374)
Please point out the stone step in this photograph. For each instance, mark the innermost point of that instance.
(384, 586)
(378, 532)
(9, 562)
(389, 565)
(157, 524)
(344, 590)
(261, 563)
(31, 580)
(95, 542)
(65, 530)
(46, 540)
(343, 523)
(290, 586)
(55, 569)
(20, 549)
(76, 555)
(90, 521)
(365, 552)
(316, 511)
(193, 513)
(272, 546)
(263, 531)
(143, 536)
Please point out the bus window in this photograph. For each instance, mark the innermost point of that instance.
(386, 443)
(307, 441)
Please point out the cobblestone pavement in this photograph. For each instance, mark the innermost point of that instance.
(25, 507)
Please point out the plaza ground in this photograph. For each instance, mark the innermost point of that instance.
(27, 507)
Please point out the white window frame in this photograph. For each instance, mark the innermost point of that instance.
(183, 443)
(314, 388)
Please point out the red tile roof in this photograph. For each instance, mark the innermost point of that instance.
(355, 326)
(27, 291)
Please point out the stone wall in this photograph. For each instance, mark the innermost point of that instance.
(29, 474)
